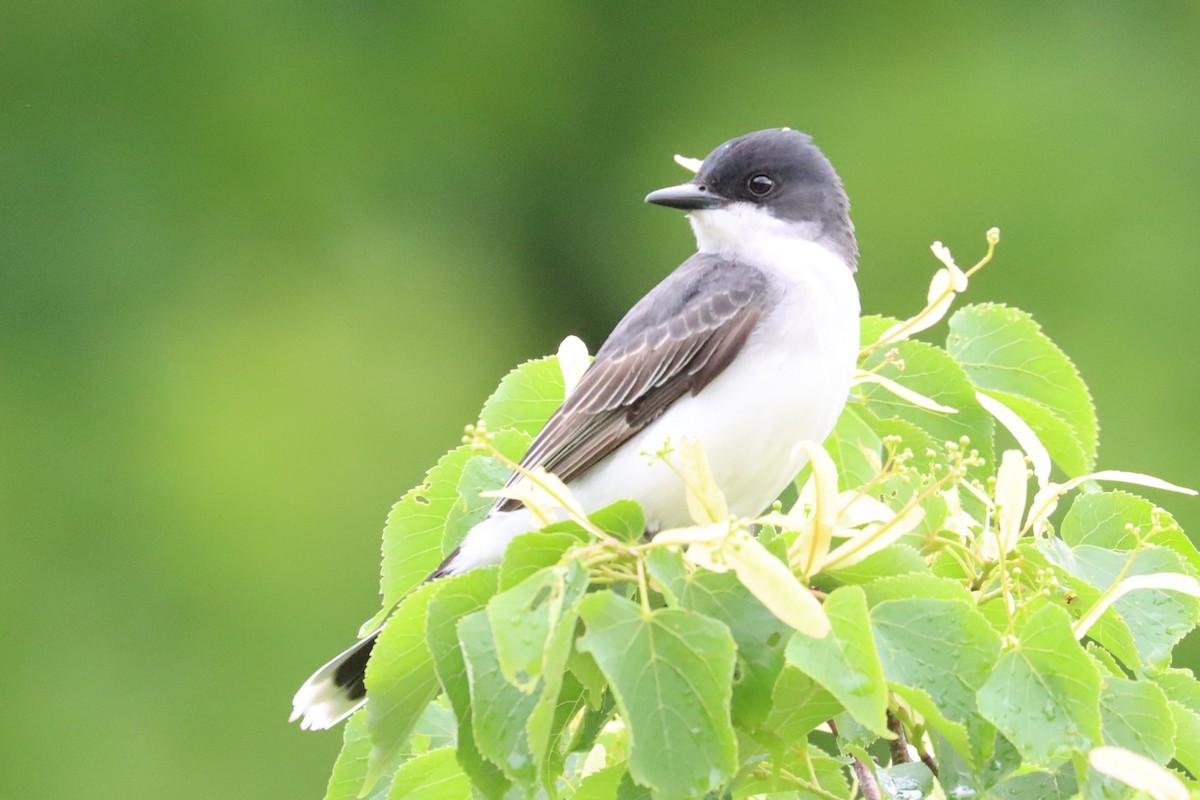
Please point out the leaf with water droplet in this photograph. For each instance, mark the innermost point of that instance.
(909, 781)
(499, 710)
(930, 371)
(1006, 354)
(798, 704)
(432, 776)
(458, 596)
(1157, 619)
(671, 671)
(943, 648)
(845, 662)
(523, 617)
(415, 539)
(1044, 694)
(400, 679)
(1135, 715)
(761, 637)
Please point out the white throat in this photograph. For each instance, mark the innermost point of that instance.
(745, 232)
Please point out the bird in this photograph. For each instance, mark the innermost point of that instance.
(749, 347)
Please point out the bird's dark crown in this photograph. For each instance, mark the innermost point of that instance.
(783, 172)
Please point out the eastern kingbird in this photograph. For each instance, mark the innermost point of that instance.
(748, 346)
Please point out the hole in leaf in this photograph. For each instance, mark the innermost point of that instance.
(540, 598)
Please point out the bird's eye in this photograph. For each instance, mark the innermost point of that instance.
(760, 185)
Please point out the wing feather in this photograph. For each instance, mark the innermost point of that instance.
(672, 343)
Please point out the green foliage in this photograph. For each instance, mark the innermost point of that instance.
(1007, 356)
(921, 623)
(670, 671)
(1044, 696)
(845, 662)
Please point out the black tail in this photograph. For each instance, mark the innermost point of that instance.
(336, 690)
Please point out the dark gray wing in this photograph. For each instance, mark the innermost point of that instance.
(674, 341)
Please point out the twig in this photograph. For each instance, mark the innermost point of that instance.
(927, 760)
(899, 745)
(866, 781)
(866, 778)
(898, 718)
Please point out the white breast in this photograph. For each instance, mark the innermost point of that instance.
(788, 385)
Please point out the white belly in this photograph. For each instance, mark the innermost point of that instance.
(788, 385)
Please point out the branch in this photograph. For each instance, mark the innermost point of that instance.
(866, 778)
(899, 745)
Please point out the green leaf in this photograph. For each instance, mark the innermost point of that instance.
(432, 776)
(968, 746)
(930, 371)
(400, 680)
(591, 727)
(671, 672)
(1110, 630)
(1135, 715)
(1101, 519)
(562, 698)
(798, 704)
(760, 636)
(912, 436)
(480, 474)
(1183, 695)
(845, 662)
(872, 326)
(1187, 736)
(534, 627)
(895, 559)
(623, 519)
(1105, 660)
(824, 771)
(912, 585)
(669, 572)
(909, 781)
(530, 552)
(350, 770)
(602, 784)
(461, 595)
(945, 648)
(628, 789)
(1060, 785)
(1181, 686)
(1157, 619)
(1044, 694)
(1005, 353)
(587, 672)
(499, 710)
(414, 540)
(523, 617)
(526, 397)
(436, 727)
(826, 776)
(1056, 435)
(954, 773)
(846, 447)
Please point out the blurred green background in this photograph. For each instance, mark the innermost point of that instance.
(261, 261)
